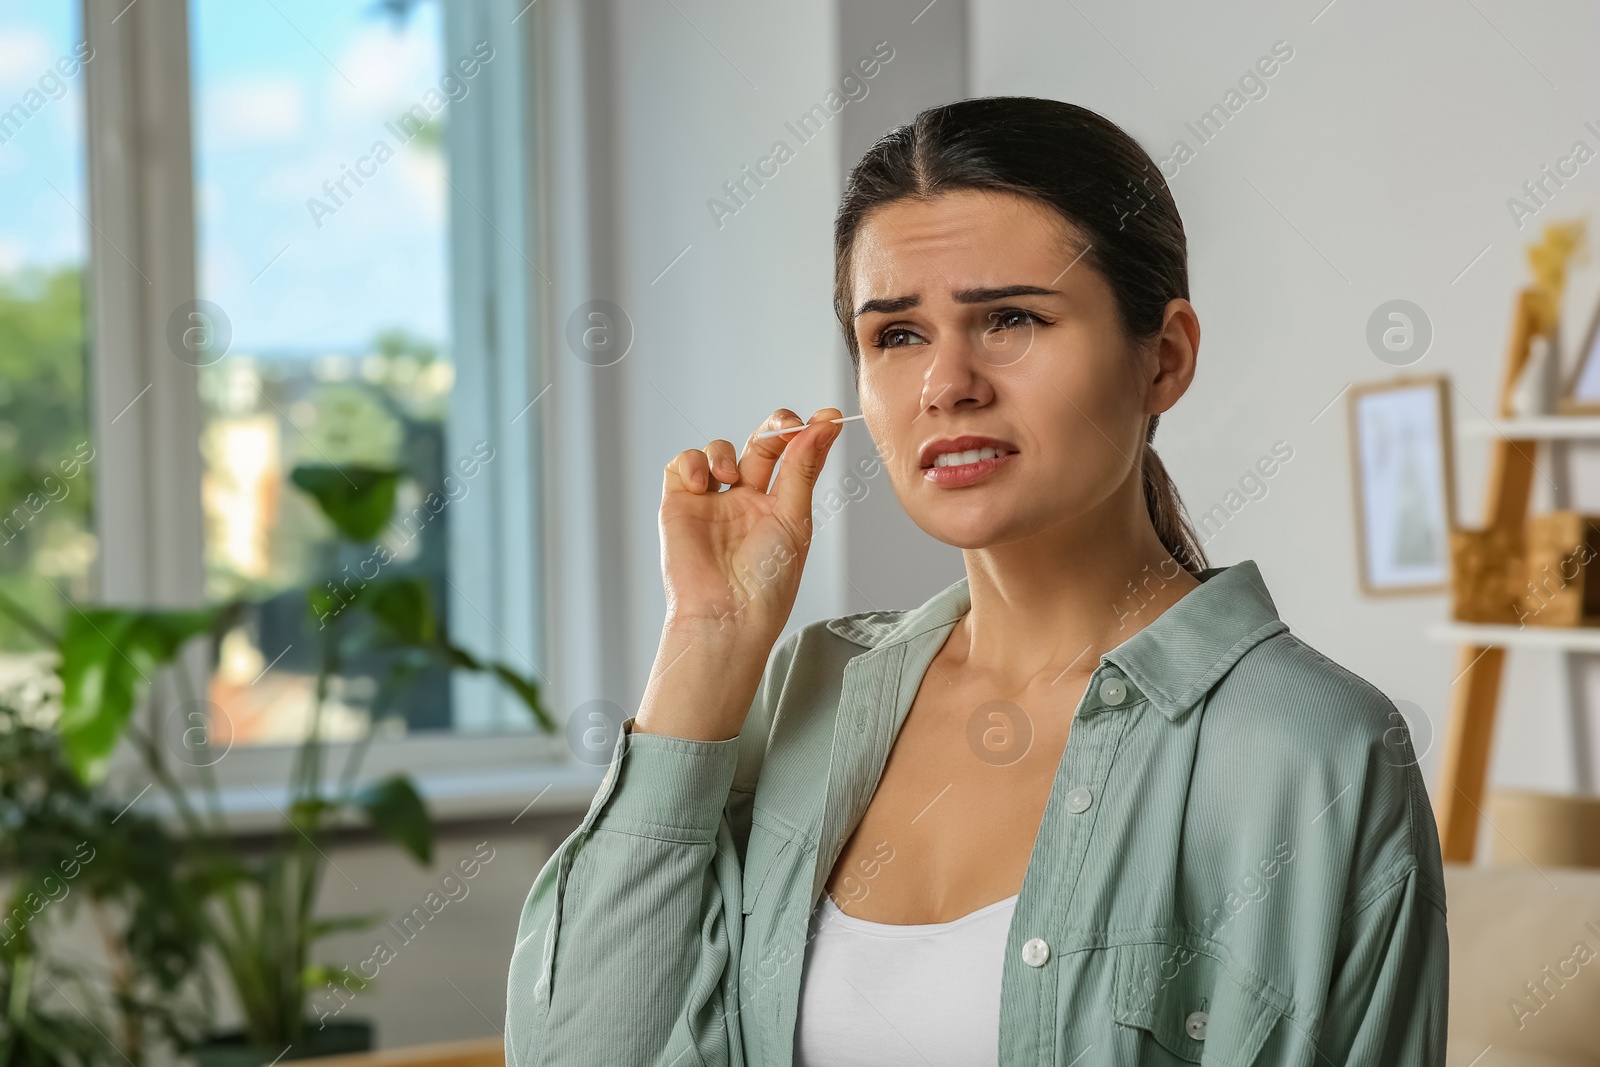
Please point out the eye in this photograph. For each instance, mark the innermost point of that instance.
(897, 337)
(1012, 318)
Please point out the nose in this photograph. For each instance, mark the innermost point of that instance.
(956, 378)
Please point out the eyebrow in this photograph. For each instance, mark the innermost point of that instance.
(891, 304)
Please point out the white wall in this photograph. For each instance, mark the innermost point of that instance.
(1377, 167)
(741, 324)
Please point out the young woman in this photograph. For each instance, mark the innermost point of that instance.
(1094, 803)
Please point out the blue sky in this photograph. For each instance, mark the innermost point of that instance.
(40, 224)
(284, 95)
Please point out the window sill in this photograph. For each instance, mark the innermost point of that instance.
(460, 779)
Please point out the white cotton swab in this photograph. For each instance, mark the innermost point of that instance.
(797, 429)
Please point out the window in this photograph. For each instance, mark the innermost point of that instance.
(357, 292)
(47, 544)
(322, 205)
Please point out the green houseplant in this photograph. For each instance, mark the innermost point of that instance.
(35, 1035)
(258, 908)
(65, 845)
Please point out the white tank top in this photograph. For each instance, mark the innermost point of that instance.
(885, 994)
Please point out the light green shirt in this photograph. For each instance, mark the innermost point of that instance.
(1237, 863)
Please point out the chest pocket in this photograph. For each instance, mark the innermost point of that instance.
(1192, 1005)
(768, 848)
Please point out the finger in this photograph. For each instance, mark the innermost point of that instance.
(802, 463)
(761, 456)
(724, 464)
(688, 471)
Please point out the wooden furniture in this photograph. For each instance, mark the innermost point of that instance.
(1475, 692)
(478, 1052)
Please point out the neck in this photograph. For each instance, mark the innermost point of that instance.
(1056, 601)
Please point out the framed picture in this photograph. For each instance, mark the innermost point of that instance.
(1401, 446)
(1581, 393)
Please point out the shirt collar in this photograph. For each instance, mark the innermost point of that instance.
(1173, 661)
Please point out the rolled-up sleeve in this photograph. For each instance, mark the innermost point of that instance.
(1389, 999)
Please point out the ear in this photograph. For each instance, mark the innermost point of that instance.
(1175, 351)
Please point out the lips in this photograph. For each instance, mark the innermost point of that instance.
(953, 462)
(940, 446)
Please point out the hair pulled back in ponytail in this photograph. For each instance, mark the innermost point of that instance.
(1084, 167)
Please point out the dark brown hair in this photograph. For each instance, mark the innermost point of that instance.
(1085, 168)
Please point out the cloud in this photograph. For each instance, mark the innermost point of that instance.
(13, 255)
(24, 55)
(260, 111)
(389, 71)
(302, 176)
(212, 203)
(425, 188)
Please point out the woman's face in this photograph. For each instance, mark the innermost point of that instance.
(995, 377)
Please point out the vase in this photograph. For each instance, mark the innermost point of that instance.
(234, 1048)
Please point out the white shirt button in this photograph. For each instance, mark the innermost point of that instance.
(1078, 800)
(1035, 952)
(1113, 690)
(1195, 1025)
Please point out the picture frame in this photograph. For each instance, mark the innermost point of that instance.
(1402, 449)
(1580, 393)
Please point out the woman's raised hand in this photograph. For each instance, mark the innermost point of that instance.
(731, 559)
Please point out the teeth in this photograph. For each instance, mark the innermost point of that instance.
(956, 459)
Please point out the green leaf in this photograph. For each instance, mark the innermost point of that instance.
(21, 986)
(404, 608)
(107, 656)
(359, 501)
(396, 810)
(528, 691)
(317, 976)
(319, 928)
(526, 688)
(460, 657)
(324, 604)
(305, 813)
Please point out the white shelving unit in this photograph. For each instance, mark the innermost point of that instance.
(1558, 638)
(1576, 644)
(1536, 428)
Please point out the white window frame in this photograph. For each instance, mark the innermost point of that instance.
(508, 389)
